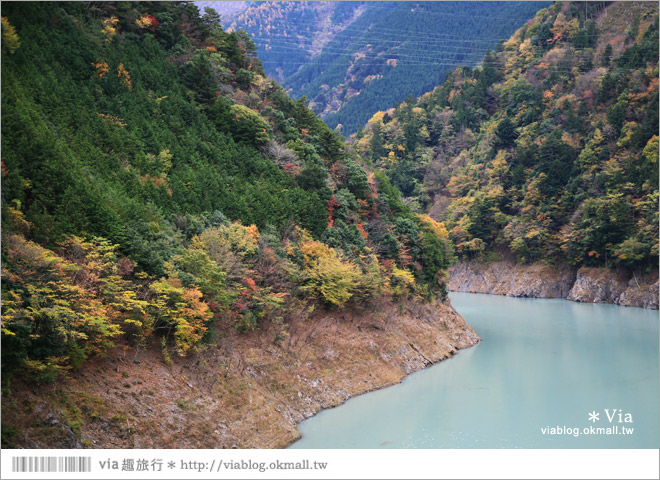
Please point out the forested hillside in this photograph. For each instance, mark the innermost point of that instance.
(548, 150)
(351, 59)
(156, 186)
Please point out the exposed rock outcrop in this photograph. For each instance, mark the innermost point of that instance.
(507, 278)
(598, 285)
(588, 284)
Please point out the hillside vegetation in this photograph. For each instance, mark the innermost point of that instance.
(156, 186)
(350, 59)
(548, 150)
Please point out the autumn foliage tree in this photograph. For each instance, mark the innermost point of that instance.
(10, 39)
(60, 309)
(324, 274)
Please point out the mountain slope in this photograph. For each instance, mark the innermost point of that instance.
(156, 185)
(351, 59)
(549, 150)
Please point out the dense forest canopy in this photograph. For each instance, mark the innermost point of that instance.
(156, 184)
(547, 150)
(351, 59)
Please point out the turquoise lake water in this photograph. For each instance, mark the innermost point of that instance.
(542, 364)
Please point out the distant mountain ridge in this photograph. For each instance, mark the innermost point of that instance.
(226, 9)
(351, 59)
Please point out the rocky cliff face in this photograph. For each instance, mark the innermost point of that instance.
(598, 285)
(244, 391)
(593, 285)
(506, 278)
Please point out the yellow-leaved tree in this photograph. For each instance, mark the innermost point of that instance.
(325, 275)
(60, 308)
(181, 310)
(10, 40)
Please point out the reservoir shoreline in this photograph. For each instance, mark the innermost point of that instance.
(245, 391)
(586, 285)
(252, 391)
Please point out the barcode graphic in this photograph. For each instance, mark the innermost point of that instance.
(51, 464)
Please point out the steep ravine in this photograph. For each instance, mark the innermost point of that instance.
(591, 285)
(246, 391)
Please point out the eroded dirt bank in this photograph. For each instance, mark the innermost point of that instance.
(248, 391)
(592, 285)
